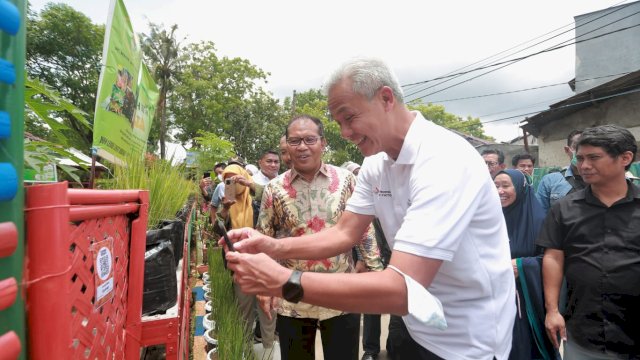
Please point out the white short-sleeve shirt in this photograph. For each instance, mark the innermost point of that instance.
(437, 200)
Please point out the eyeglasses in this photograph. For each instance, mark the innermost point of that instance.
(308, 140)
(491, 163)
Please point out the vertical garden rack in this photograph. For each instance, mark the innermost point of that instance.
(63, 318)
(12, 58)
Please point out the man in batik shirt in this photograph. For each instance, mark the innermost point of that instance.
(307, 199)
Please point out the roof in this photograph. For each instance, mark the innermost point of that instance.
(623, 85)
(84, 159)
(472, 139)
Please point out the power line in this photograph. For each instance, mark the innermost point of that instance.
(606, 87)
(522, 90)
(565, 106)
(511, 62)
(508, 62)
(448, 75)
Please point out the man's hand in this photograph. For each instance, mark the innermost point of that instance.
(514, 265)
(554, 323)
(248, 240)
(205, 182)
(268, 305)
(257, 274)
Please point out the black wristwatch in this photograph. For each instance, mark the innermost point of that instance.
(292, 289)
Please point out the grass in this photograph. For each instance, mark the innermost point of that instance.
(234, 339)
(168, 189)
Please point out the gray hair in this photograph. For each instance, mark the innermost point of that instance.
(368, 75)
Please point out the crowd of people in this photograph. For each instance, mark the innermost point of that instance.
(468, 258)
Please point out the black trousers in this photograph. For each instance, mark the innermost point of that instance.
(340, 336)
(400, 345)
(371, 334)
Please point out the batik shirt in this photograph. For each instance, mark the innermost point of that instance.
(293, 206)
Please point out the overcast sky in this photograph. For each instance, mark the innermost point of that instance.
(298, 42)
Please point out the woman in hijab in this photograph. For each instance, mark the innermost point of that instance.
(524, 215)
(239, 209)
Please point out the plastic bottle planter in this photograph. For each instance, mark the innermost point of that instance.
(5, 125)
(207, 296)
(206, 288)
(212, 354)
(208, 322)
(210, 337)
(208, 307)
(8, 182)
(205, 277)
(10, 20)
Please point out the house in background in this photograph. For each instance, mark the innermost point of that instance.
(606, 86)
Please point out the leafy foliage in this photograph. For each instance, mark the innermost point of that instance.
(438, 115)
(42, 103)
(211, 93)
(212, 149)
(64, 50)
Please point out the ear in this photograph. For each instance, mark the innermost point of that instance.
(626, 158)
(388, 99)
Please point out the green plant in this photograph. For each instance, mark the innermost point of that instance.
(234, 339)
(168, 189)
(43, 106)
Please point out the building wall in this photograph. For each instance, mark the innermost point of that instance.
(623, 111)
(609, 54)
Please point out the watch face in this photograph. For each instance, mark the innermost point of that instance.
(292, 289)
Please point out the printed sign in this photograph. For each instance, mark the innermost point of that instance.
(103, 271)
(127, 94)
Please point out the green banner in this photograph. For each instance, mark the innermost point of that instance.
(126, 93)
(147, 99)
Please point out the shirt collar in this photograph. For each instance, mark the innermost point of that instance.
(568, 172)
(632, 193)
(411, 144)
(323, 170)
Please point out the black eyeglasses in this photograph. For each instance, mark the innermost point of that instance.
(308, 140)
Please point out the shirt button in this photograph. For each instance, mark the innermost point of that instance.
(607, 230)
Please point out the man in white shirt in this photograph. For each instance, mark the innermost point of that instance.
(269, 165)
(442, 219)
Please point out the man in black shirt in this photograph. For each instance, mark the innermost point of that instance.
(592, 237)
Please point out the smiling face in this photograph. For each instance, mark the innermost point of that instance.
(360, 119)
(305, 158)
(506, 190)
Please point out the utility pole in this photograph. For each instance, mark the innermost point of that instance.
(293, 104)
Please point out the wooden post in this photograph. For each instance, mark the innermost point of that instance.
(526, 141)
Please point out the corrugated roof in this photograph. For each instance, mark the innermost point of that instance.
(623, 85)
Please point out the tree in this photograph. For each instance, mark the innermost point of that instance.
(64, 50)
(437, 114)
(257, 126)
(217, 94)
(161, 49)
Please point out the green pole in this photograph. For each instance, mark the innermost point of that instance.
(12, 49)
